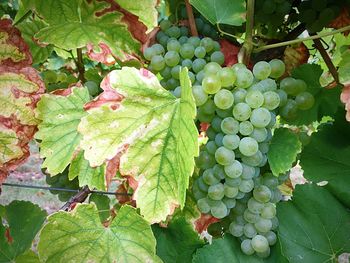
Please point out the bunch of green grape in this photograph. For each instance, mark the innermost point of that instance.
(317, 14)
(62, 181)
(271, 15)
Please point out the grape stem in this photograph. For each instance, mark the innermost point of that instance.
(228, 34)
(298, 40)
(80, 65)
(248, 43)
(191, 20)
(77, 198)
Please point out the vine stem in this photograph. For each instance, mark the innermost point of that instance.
(298, 40)
(191, 20)
(248, 43)
(80, 65)
(228, 34)
(77, 198)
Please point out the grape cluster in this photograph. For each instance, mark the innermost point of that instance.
(317, 14)
(62, 181)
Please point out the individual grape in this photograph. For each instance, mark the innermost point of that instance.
(199, 95)
(187, 63)
(236, 229)
(149, 53)
(254, 99)
(212, 68)
(224, 156)
(217, 46)
(207, 43)
(249, 231)
(276, 196)
(216, 192)
(305, 100)
(227, 77)
(269, 211)
(173, 45)
(264, 254)
(209, 177)
(192, 77)
(244, 78)
(254, 206)
(262, 70)
(205, 160)
(275, 223)
(163, 41)
(211, 147)
(171, 58)
(241, 111)
(177, 92)
(182, 40)
(283, 97)
(245, 128)
(229, 202)
(254, 160)
(262, 193)
(260, 243)
(277, 68)
(248, 146)
(223, 99)
(175, 72)
(235, 182)
(218, 57)
(230, 191)
(184, 31)
(219, 171)
(247, 248)
(238, 66)
(158, 49)
(234, 170)
(194, 41)
(246, 186)
(224, 113)
(216, 124)
(267, 85)
(200, 52)
(231, 141)
(187, 51)
(250, 217)
(198, 64)
(172, 83)
(166, 73)
(290, 110)
(290, 86)
(219, 211)
(211, 84)
(259, 134)
(270, 180)
(271, 100)
(230, 126)
(247, 171)
(209, 107)
(239, 95)
(260, 117)
(157, 62)
(271, 237)
(164, 25)
(263, 225)
(218, 139)
(173, 31)
(203, 205)
(200, 76)
(271, 125)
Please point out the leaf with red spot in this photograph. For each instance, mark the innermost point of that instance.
(204, 222)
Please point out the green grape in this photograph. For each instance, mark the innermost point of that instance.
(217, 46)
(290, 86)
(300, 85)
(247, 171)
(211, 147)
(227, 77)
(192, 77)
(239, 95)
(219, 171)
(229, 202)
(238, 66)
(175, 72)
(271, 100)
(173, 31)
(262, 70)
(200, 75)
(205, 160)
(230, 191)
(172, 58)
(224, 156)
(198, 65)
(255, 160)
(305, 100)
(211, 84)
(236, 229)
(276, 196)
(230, 126)
(163, 82)
(262, 193)
(233, 170)
(197, 193)
(247, 248)
(239, 208)
(218, 57)
(184, 31)
(92, 87)
(166, 73)
(290, 110)
(269, 211)
(231, 141)
(203, 117)
(194, 41)
(254, 206)
(187, 63)
(271, 237)
(254, 99)
(158, 49)
(270, 180)
(182, 40)
(157, 63)
(159, 35)
(264, 254)
(259, 134)
(187, 51)
(216, 124)
(165, 24)
(277, 68)
(283, 97)
(172, 83)
(202, 186)
(267, 85)
(224, 113)
(260, 243)
(249, 230)
(250, 217)
(235, 182)
(149, 53)
(212, 68)
(263, 225)
(199, 95)
(246, 186)
(241, 111)
(173, 45)
(223, 99)
(244, 78)
(200, 52)
(207, 43)
(260, 117)
(203, 205)
(275, 223)
(245, 128)
(209, 177)
(216, 192)
(248, 146)
(271, 124)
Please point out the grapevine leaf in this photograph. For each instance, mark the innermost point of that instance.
(138, 7)
(80, 235)
(74, 24)
(87, 175)
(326, 158)
(60, 116)
(318, 230)
(28, 257)
(344, 67)
(177, 242)
(283, 150)
(326, 100)
(29, 29)
(24, 220)
(102, 203)
(148, 119)
(228, 249)
(222, 11)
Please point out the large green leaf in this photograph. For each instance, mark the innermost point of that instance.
(228, 249)
(153, 129)
(79, 236)
(326, 158)
(222, 11)
(28, 257)
(177, 242)
(344, 67)
(24, 220)
(75, 23)
(283, 150)
(326, 100)
(60, 116)
(314, 226)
